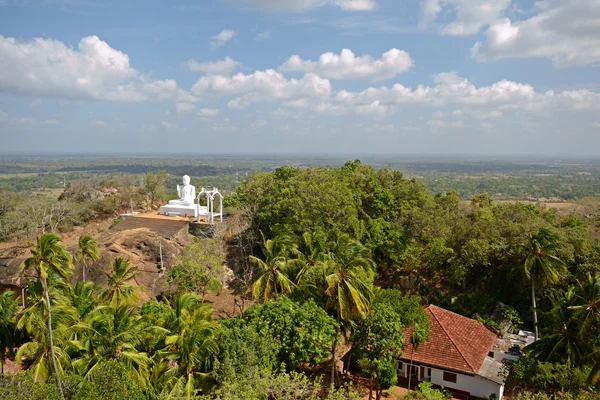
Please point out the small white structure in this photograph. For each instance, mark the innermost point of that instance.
(185, 204)
(457, 356)
(208, 211)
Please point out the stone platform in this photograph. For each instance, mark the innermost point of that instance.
(179, 209)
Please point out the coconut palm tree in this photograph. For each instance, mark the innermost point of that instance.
(47, 355)
(541, 265)
(8, 307)
(88, 250)
(588, 303)
(562, 341)
(49, 257)
(113, 333)
(191, 344)
(349, 278)
(418, 336)
(274, 270)
(119, 288)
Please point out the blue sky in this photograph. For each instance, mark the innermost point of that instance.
(302, 76)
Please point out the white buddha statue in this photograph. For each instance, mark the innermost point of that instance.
(187, 193)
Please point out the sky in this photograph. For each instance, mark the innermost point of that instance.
(300, 76)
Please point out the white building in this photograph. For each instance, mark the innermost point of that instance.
(457, 356)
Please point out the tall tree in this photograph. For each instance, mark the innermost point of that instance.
(419, 334)
(48, 256)
(349, 278)
(542, 265)
(88, 250)
(274, 270)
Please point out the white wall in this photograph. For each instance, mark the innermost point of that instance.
(475, 385)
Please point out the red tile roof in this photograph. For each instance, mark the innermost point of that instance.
(455, 342)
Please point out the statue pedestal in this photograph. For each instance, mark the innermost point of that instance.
(190, 210)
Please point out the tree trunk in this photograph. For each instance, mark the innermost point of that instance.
(333, 360)
(348, 365)
(83, 270)
(371, 387)
(535, 318)
(410, 368)
(58, 381)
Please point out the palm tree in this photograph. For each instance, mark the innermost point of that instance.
(88, 250)
(274, 269)
(419, 334)
(113, 333)
(119, 289)
(8, 306)
(563, 341)
(348, 276)
(49, 257)
(588, 303)
(541, 265)
(190, 345)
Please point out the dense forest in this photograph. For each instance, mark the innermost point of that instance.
(324, 250)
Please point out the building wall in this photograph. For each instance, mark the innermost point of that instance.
(475, 385)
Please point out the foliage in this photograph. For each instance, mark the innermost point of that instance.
(199, 267)
(377, 343)
(243, 352)
(154, 185)
(304, 332)
(427, 392)
(8, 337)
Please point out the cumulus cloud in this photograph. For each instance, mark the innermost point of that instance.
(469, 16)
(348, 66)
(596, 124)
(268, 85)
(36, 102)
(208, 113)
(436, 123)
(51, 121)
(451, 90)
(222, 38)
(305, 5)
(92, 71)
(225, 67)
(567, 32)
(183, 108)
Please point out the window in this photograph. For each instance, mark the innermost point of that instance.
(491, 354)
(449, 377)
(400, 366)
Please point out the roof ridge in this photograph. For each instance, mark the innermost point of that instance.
(450, 336)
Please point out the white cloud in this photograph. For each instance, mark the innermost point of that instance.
(596, 124)
(348, 66)
(167, 125)
(98, 122)
(567, 32)
(207, 113)
(36, 102)
(357, 5)
(183, 108)
(92, 71)
(222, 38)
(268, 85)
(223, 67)
(51, 121)
(305, 5)
(469, 16)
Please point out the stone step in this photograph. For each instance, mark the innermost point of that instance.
(161, 227)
